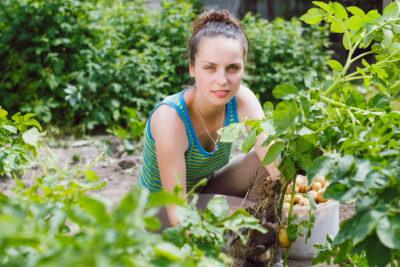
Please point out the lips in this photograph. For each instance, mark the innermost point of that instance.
(220, 93)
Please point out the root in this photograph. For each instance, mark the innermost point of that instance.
(260, 249)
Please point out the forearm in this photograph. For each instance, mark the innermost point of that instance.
(171, 213)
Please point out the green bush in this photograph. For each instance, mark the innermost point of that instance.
(283, 52)
(83, 63)
(18, 142)
(42, 44)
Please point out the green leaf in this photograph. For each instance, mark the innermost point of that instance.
(293, 232)
(356, 11)
(346, 41)
(359, 227)
(287, 168)
(327, 7)
(388, 37)
(304, 131)
(3, 113)
(388, 231)
(168, 250)
(377, 254)
(285, 115)
(94, 207)
(354, 23)
(10, 128)
(268, 107)
(273, 152)
(152, 223)
(372, 17)
(31, 137)
(336, 191)
(363, 169)
(232, 132)
(249, 142)
(365, 63)
(91, 176)
(313, 16)
(310, 78)
(396, 28)
(268, 127)
(379, 101)
(335, 65)
(320, 167)
(164, 198)
(218, 206)
(340, 11)
(392, 10)
(285, 91)
(241, 219)
(338, 27)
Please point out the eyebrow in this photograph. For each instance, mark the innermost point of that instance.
(211, 63)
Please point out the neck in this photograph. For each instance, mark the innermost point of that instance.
(207, 109)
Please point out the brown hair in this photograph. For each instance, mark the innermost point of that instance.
(213, 23)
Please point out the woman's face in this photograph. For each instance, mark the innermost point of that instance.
(218, 69)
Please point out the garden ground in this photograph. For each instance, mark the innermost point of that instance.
(112, 164)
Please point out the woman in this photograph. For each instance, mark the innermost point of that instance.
(181, 137)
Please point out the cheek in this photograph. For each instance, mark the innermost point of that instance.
(235, 77)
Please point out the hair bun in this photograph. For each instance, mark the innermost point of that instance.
(214, 16)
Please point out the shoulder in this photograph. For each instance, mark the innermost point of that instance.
(168, 129)
(248, 105)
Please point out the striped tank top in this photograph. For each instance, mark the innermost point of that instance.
(199, 162)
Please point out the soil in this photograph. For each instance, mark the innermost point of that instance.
(112, 165)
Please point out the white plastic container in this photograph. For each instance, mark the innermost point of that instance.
(326, 222)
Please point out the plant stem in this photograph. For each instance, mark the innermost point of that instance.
(281, 200)
(362, 55)
(292, 200)
(356, 78)
(333, 102)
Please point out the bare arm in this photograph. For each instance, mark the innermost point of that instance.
(249, 107)
(171, 142)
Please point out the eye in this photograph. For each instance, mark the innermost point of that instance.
(234, 68)
(210, 68)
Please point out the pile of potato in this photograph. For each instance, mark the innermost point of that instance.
(316, 191)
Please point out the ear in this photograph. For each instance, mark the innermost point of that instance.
(191, 70)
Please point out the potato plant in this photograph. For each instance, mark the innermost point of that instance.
(59, 221)
(18, 142)
(345, 128)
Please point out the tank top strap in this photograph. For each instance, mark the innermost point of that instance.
(233, 110)
(174, 102)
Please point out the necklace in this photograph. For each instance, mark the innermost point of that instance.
(205, 127)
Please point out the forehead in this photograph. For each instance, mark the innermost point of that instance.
(220, 50)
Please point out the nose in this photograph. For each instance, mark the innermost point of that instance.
(222, 79)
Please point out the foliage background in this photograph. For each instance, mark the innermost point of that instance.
(84, 62)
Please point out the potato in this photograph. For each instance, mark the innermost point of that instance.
(321, 180)
(304, 202)
(320, 195)
(303, 188)
(297, 198)
(316, 186)
(283, 238)
(289, 188)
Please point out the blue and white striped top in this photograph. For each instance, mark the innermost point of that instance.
(199, 162)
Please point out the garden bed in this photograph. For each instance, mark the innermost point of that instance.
(113, 166)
